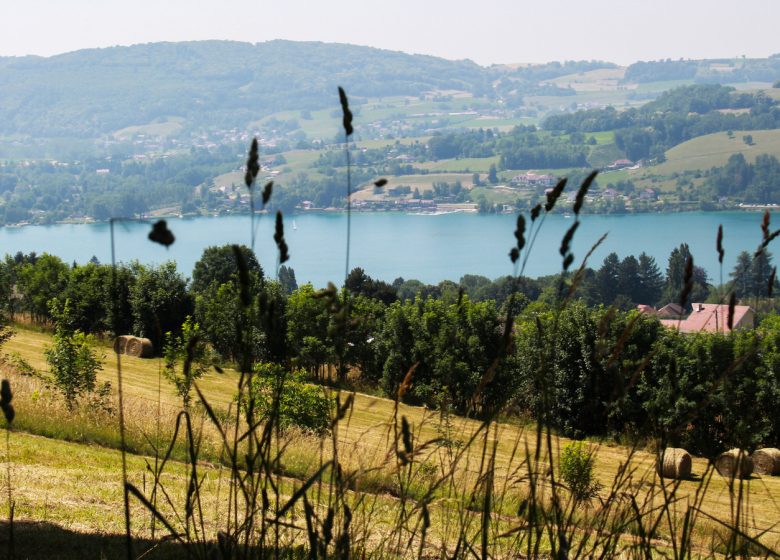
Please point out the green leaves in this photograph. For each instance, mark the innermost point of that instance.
(72, 360)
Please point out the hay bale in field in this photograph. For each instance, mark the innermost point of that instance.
(767, 461)
(139, 347)
(674, 462)
(120, 343)
(734, 463)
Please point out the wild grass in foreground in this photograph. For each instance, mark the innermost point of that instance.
(224, 475)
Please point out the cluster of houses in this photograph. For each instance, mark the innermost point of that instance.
(538, 181)
(705, 317)
(405, 204)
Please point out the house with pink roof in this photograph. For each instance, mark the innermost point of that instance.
(713, 317)
(671, 311)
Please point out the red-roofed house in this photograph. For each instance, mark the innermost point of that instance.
(647, 309)
(712, 317)
(671, 311)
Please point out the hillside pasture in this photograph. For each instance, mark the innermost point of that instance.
(461, 165)
(162, 128)
(602, 79)
(714, 150)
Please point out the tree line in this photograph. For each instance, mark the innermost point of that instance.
(676, 116)
(586, 368)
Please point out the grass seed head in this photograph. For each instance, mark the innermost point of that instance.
(252, 164)
(161, 234)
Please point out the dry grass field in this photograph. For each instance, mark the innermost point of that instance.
(76, 485)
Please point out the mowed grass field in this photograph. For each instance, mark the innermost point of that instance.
(78, 477)
(714, 150)
(170, 126)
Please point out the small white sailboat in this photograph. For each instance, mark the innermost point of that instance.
(294, 225)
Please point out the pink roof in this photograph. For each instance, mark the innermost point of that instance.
(649, 309)
(712, 317)
(671, 310)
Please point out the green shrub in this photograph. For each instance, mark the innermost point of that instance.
(300, 404)
(72, 359)
(576, 466)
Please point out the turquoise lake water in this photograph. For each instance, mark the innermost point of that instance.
(430, 248)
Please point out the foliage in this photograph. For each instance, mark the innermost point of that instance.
(676, 116)
(217, 265)
(576, 464)
(676, 276)
(576, 370)
(40, 281)
(273, 75)
(159, 300)
(450, 345)
(752, 182)
(358, 282)
(186, 359)
(290, 400)
(710, 392)
(72, 359)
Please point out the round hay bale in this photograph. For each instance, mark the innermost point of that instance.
(139, 347)
(734, 463)
(767, 461)
(120, 343)
(674, 462)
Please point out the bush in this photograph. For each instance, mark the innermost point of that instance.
(301, 405)
(576, 466)
(72, 359)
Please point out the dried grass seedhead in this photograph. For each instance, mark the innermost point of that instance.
(554, 194)
(269, 186)
(284, 254)
(732, 304)
(514, 254)
(568, 236)
(407, 381)
(687, 281)
(252, 164)
(583, 190)
(161, 234)
(347, 118)
(6, 396)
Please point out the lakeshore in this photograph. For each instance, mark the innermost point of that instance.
(389, 245)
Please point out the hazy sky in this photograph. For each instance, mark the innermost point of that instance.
(486, 31)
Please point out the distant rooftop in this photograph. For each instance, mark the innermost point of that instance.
(712, 317)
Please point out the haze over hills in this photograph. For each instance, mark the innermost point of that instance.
(87, 93)
(164, 127)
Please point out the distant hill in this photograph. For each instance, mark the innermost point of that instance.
(715, 71)
(209, 83)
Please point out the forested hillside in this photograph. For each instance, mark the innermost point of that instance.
(210, 83)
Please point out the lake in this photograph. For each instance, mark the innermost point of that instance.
(430, 248)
